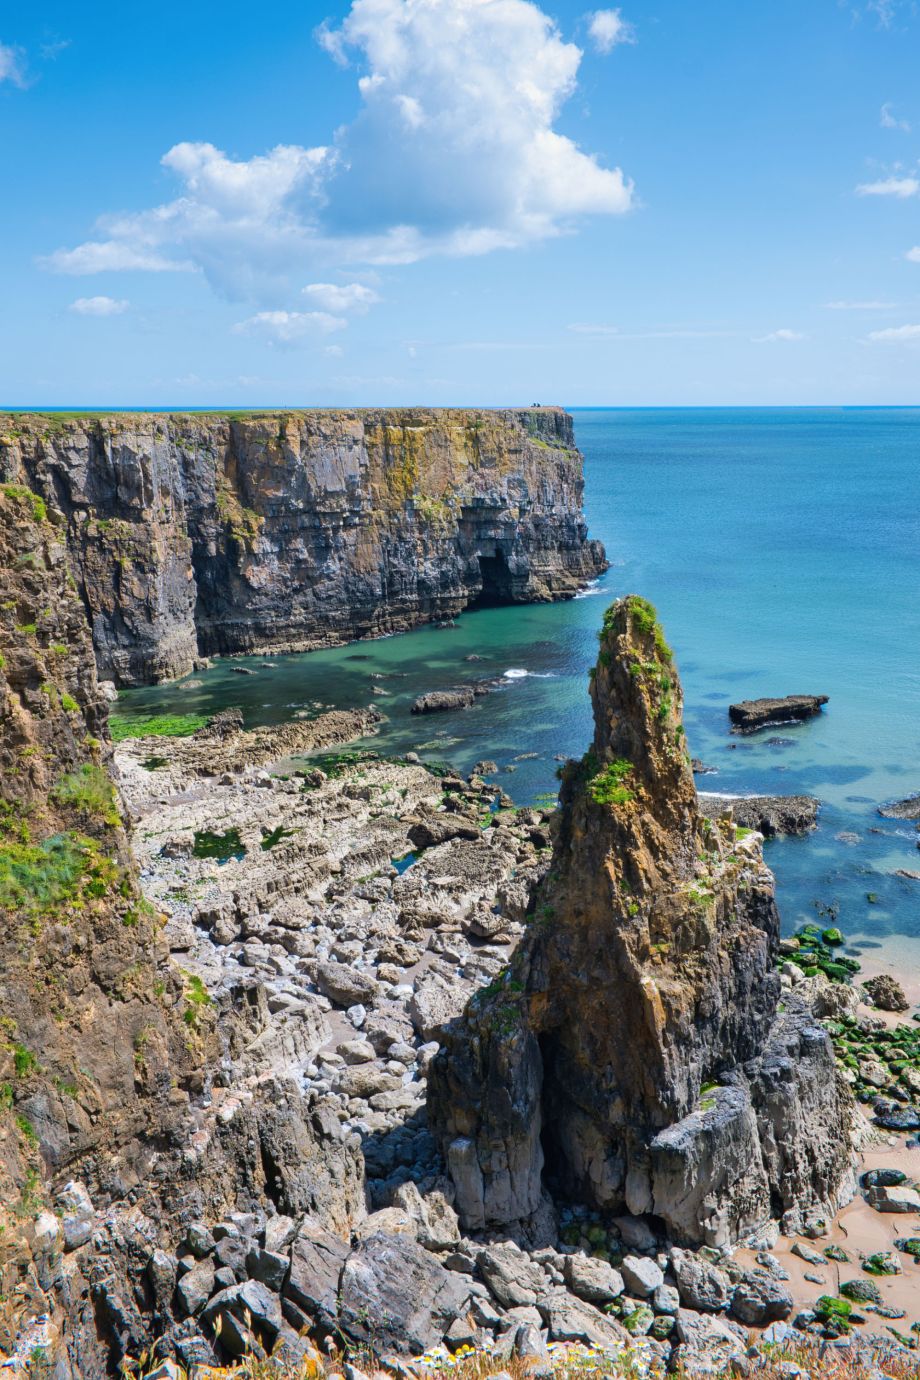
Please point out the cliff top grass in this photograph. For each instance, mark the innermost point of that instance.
(54, 416)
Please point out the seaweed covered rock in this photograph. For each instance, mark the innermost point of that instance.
(634, 1055)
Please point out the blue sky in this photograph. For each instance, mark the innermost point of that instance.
(460, 201)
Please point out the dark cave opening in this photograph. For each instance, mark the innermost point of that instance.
(496, 583)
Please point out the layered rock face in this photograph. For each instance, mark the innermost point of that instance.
(191, 535)
(107, 1131)
(634, 1055)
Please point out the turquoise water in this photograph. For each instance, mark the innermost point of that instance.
(781, 548)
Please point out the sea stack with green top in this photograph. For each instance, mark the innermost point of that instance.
(634, 1056)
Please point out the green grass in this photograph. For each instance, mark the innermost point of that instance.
(122, 726)
(88, 789)
(24, 1061)
(38, 878)
(197, 1000)
(609, 787)
(25, 495)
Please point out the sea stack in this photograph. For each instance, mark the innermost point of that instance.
(634, 1056)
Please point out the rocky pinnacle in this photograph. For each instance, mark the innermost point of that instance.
(634, 1055)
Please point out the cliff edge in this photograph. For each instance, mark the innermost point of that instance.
(193, 534)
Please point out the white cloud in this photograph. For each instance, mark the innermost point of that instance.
(12, 65)
(334, 351)
(99, 306)
(860, 306)
(454, 151)
(111, 256)
(607, 28)
(289, 327)
(781, 336)
(913, 255)
(901, 187)
(887, 120)
(896, 334)
(354, 297)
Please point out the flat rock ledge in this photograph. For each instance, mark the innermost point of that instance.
(768, 814)
(749, 715)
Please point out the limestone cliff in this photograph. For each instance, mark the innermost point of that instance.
(195, 534)
(635, 1049)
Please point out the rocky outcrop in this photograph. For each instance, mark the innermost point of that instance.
(633, 1055)
(768, 814)
(190, 535)
(909, 808)
(750, 715)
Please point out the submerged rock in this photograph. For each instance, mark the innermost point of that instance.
(901, 809)
(635, 1047)
(749, 715)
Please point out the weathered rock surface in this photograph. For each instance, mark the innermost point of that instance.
(749, 715)
(886, 993)
(190, 535)
(634, 1048)
(768, 814)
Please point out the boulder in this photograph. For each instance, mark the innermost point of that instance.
(434, 1220)
(512, 1277)
(344, 985)
(195, 1286)
(702, 1286)
(317, 1258)
(886, 993)
(707, 1346)
(896, 1198)
(641, 1275)
(397, 1296)
(242, 1311)
(760, 1298)
(569, 1319)
(592, 1280)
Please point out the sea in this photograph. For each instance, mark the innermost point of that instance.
(782, 550)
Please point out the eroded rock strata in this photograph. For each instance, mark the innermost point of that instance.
(191, 534)
(635, 1055)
